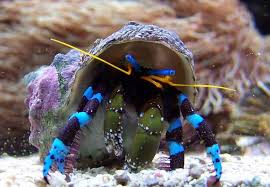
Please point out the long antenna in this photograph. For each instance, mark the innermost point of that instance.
(93, 56)
(166, 80)
(147, 78)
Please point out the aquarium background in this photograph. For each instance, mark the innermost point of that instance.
(231, 47)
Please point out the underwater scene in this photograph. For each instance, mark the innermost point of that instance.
(138, 93)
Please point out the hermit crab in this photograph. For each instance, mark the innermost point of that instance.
(130, 84)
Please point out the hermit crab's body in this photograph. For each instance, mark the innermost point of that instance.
(133, 106)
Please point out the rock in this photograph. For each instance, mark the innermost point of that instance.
(151, 181)
(226, 157)
(44, 90)
(195, 171)
(256, 181)
(27, 170)
(121, 176)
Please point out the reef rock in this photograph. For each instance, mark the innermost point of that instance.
(46, 90)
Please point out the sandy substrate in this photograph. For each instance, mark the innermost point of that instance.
(238, 170)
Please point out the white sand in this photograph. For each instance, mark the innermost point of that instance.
(238, 170)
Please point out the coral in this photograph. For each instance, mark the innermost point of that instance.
(227, 48)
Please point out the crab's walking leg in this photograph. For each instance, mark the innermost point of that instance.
(203, 130)
(147, 137)
(87, 95)
(61, 144)
(113, 128)
(174, 139)
(174, 132)
(75, 145)
(80, 119)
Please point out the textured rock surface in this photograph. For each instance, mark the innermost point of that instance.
(226, 47)
(238, 171)
(47, 89)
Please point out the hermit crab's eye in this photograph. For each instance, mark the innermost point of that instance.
(131, 59)
(165, 72)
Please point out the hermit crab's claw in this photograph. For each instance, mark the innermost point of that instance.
(56, 155)
(214, 152)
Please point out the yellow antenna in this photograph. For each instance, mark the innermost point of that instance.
(93, 56)
(166, 80)
(202, 86)
(157, 84)
(150, 78)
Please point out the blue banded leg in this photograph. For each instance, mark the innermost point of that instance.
(75, 145)
(61, 145)
(204, 132)
(88, 93)
(174, 140)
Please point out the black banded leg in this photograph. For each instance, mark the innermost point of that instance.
(61, 145)
(204, 132)
(174, 139)
(113, 128)
(80, 119)
(196, 121)
(71, 158)
(88, 93)
(174, 132)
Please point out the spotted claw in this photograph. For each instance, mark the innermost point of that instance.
(58, 154)
(214, 152)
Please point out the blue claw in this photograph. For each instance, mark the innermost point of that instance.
(58, 154)
(214, 153)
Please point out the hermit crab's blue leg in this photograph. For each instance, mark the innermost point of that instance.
(174, 133)
(174, 139)
(203, 130)
(75, 145)
(88, 93)
(61, 144)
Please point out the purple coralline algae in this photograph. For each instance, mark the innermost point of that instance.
(46, 89)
